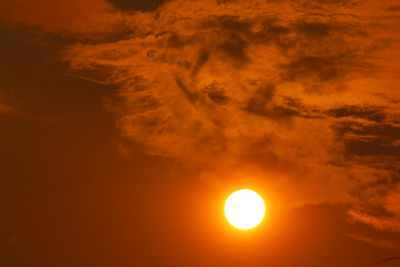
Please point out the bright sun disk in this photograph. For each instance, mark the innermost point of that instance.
(244, 209)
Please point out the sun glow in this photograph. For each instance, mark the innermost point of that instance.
(244, 209)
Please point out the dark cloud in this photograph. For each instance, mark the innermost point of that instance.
(366, 140)
(379, 147)
(191, 97)
(216, 94)
(234, 36)
(142, 5)
(376, 114)
(233, 47)
(322, 69)
(316, 51)
(202, 59)
(323, 4)
(262, 104)
(261, 99)
(394, 8)
(313, 29)
(231, 23)
(224, 1)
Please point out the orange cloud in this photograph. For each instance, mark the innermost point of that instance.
(381, 223)
(377, 242)
(386, 222)
(297, 91)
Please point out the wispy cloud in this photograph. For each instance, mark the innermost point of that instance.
(389, 244)
(285, 87)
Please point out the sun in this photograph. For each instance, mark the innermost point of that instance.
(244, 209)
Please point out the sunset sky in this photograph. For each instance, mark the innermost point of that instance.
(125, 125)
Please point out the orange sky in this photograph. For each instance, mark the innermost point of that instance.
(125, 124)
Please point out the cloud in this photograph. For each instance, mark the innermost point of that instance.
(376, 114)
(381, 223)
(370, 139)
(384, 243)
(299, 95)
(142, 5)
(387, 219)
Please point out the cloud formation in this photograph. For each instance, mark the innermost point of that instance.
(301, 94)
(142, 5)
(389, 220)
(392, 245)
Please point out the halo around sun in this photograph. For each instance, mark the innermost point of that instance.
(244, 209)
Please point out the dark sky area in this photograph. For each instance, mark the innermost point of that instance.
(124, 125)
